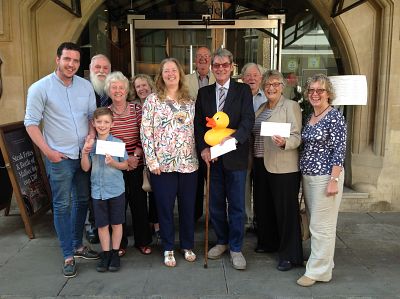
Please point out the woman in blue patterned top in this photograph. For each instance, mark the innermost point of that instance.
(321, 165)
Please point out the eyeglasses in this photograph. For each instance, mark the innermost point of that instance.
(224, 65)
(275, 84)
(318, 91)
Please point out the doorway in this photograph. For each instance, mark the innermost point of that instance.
(248, 40)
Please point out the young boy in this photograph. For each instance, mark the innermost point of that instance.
(108, 190)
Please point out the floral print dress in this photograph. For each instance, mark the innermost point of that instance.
(167, 134)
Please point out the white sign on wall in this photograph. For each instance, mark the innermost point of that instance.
(350, 90)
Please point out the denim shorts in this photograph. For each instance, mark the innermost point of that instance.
(110, 211)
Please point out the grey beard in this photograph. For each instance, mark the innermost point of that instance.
(98, 85)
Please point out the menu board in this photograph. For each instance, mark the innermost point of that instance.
(26, 172)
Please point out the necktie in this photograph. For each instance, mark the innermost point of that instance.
(104, 100)
(221, 99)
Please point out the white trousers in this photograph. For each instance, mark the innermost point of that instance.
(323, 212)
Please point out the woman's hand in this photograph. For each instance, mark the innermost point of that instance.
(156, 171)
(332, 189)
(133, 162)
(279, 141)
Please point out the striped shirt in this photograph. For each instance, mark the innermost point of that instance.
(127, 128)
(258, 147)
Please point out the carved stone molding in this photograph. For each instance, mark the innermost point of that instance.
(5, 24)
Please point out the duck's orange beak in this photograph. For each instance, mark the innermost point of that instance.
(210, 122)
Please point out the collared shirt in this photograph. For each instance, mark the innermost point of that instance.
(202, 81)
(258, 99)
(217, 90)
(65, 110)
(167, 135)
(106, 181)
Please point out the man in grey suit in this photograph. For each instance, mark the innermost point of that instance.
(200, 78)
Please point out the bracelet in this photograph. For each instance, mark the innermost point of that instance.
(136, 155)
(334, 179)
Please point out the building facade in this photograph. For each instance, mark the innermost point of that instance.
(365, 38)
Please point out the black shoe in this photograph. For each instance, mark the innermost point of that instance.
(102, 265)
(284, 266)
(92, 235)
(86, 253)
(115, 262)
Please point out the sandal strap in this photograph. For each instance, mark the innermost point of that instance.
(169, 253)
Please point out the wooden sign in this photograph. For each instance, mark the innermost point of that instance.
(25, 168)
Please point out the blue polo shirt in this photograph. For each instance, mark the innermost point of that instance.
(106, 181)
(65, 111)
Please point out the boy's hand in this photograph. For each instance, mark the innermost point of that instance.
(87, 147)
(109, 160)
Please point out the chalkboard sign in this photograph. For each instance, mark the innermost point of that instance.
(26, 172)
(5, 187)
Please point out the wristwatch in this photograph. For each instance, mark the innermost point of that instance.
(334, 179)
(136, 155)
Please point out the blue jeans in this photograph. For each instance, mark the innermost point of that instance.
(70, 191)
(227, 193)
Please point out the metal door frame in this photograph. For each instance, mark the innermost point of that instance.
(271, 22)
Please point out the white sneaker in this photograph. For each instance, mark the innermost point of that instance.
(238, 260)
(216, 252)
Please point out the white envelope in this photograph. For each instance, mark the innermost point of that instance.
(272, 128)
(116, 149)
(219, 150)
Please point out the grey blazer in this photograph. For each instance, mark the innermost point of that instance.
(284, 160)
(193, 83)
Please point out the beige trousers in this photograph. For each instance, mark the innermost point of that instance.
(323, 211)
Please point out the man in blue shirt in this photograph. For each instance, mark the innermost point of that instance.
(65, 103)
(252, 75)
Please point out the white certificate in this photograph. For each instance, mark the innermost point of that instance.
(350, 90)
(116, 149)
(271, 129)
(219, 150)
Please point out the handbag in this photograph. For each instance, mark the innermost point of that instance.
(146, 186)
(304, 221)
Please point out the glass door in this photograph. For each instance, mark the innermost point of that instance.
(248, 40)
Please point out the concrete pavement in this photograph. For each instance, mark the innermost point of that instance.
(367, 265)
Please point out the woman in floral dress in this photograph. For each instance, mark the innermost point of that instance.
(167, 135)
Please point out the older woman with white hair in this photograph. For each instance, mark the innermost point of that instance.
(127, 120)
(277, 176)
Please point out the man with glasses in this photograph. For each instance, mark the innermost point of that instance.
(200, 78)
(228, 172)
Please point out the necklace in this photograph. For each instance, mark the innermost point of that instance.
(319, 114)
(119, 114)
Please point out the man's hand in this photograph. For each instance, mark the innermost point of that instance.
(55, 156)
(206, 155)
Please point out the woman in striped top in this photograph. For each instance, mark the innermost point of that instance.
(127, 120)
(277, 176)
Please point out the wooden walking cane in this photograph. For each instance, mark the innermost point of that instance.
(206, 229)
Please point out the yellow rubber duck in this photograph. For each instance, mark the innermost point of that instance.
(218, 124)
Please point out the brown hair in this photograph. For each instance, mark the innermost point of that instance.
(102, 111)
(144, 77)
(183, 91)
